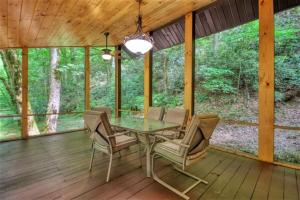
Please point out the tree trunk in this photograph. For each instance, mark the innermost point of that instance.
(13, 85)
(165, 72)
(110, 74)
(54, 93)
(238, 83)
(108, 70)
(247, 94)
(215, 44)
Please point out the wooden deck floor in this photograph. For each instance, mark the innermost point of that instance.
(56, 167)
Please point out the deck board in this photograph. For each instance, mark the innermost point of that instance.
(263, 184)
(215, 190)
(231, 189)
(290, 184)
(277, 184)
(247, 187)
(56, 167)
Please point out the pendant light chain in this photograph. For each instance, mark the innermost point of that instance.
(140, 1)
(106, 41)
(139, 22)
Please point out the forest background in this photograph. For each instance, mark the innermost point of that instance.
(226, 82)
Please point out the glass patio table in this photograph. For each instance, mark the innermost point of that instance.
(143, 127)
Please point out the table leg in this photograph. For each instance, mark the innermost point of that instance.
(146, 141)
(148, 159)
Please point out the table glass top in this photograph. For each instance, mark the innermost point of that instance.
(142, 125)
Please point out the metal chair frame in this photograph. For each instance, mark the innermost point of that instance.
(181, 163)
(108, 149)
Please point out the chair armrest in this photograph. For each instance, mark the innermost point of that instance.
(171, 141)
(182, 130)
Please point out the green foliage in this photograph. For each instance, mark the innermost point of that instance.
(217, 80)
(70, 72)
(226, 74)
(132, 74)
(166, 100)
(167, 78)
(102, 80)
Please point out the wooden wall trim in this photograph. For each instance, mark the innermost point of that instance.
(266, 81)
(189, 63)
(24, 118)
(87, 72)
(147, 81)
(118, 79)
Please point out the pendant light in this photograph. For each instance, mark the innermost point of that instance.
(106, 52)
(139, 43)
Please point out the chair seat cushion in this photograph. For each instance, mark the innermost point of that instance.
(171, 134)
(191, 159)
(123, 141)
(169, 150)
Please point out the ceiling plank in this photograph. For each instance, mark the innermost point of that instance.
(39, 14)
(14, 10)
(48, 20)
(3, 23)
(210, 21)
(27, 12)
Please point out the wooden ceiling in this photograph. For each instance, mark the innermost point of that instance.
(214, 18)
(47, 23)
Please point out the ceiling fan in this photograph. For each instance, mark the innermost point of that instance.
(108, 53)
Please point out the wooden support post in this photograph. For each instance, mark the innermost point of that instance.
(87, 72)
(24, 120)
(266, 81)
(189, 63)
(147, 81)
(118, 88)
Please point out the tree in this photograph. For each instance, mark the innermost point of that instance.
(13, 85)
(54, 94)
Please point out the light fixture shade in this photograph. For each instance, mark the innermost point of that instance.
(106, 54)
(139, 43)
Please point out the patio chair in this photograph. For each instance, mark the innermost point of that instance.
(105, 139)
(108, 111)
(177, 116)
(185, 152)
(155, 113)
(98, 109)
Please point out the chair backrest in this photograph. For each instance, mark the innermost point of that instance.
(177, 116)
(155, 113)
(98, 122)
(104, 129)
(199, 132)
(91, 120)
(103, 109)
